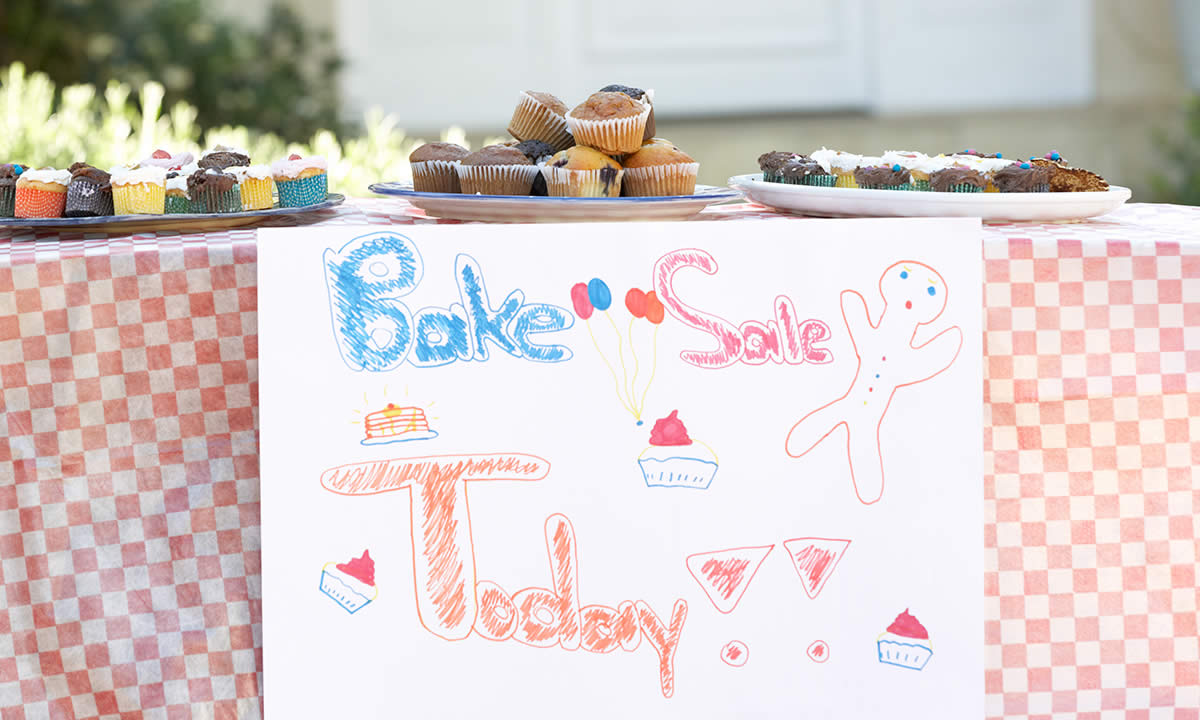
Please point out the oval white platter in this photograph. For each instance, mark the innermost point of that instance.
(856, 202)
(529, 209)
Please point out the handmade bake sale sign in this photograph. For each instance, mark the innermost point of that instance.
(646, 470)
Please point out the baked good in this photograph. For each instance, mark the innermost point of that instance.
(167, 161)
(770, 163)
(1022, 177)
(905, 643)
(883, 177)
(986, 165)
(214, 191)
(674, 459)
(300, 181)
(804, 170)
(350, 584)
(396, 424)
(1064, 178)
(643, 96)
(957, 179)
(9, 172)
(139, 191)
(582, 172)
(841, 164)
(89, 194)
(223, 156)
(539, 153)
(659, 169)
(919, 165)
(496, 170)
(41, 193)
(540, 116)
(611, 122)
(255, 186)
(434, 167)
(177, 200)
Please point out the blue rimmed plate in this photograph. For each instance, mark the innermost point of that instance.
(528, 209)
(183, 222)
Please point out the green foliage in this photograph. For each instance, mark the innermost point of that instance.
(1182, 186)
(280, 78)
(106, 130)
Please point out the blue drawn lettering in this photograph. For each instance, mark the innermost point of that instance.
(441, 337)
(486, 323)
(541, 318)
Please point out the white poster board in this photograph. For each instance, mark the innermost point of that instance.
(464, 517)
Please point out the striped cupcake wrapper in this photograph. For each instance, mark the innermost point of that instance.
(904, 186)
(84, 199)
(35, 203)
(8, 201)
(921, 185)
(180, 205)
(820, 180)
(213, 201)
(302, 191)
(257, 193)
(140, 199)
(965, 188)
(845, 180)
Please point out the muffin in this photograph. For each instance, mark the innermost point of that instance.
(41, 193)
(957, 179)
(611, 122)
(496, 170)
(255, 186)
(300, 181)
(643, 96)
(583, 172)
(883, 177)
(659, 169)
(177, 200)
(540, 116)
(770, 163)
(139, 191)
(214, 191)
(89, 193)
(539, 153)
(841, 164)
(223, 156)
(9, 172)
(1022, 178)
(434, 167)
(1064, 178)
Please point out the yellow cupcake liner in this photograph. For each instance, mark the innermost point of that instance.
(561, 182)
(615, 136)
(845, 179)
(440, 176)
(257, 193)
(140, 199)
(659, 180)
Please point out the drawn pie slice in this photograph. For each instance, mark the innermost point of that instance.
(814, 559)
(724, 575)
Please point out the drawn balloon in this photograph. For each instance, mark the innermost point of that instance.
(635, 302)
(579, 299)
(655, 312)
(599, 294)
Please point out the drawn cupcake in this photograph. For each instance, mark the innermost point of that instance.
(905, 643)
(674, 459)
(351, 584)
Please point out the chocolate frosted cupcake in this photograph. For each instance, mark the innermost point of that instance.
(540, 116)
(496, 170)
(583, 172)
(772, 162)
(435, 167)
(177, 200)
(957, 179)
(1022, 178)
(9, 172)
(223, 156)
(89, 194)
(883, 177)
(806, 171)
(612, 122)
(214, 191)
(643, 96)
(539, 153)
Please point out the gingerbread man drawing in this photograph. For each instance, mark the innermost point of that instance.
(889, 358)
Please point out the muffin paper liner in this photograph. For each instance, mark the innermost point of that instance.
(819, 180)
(613, 136)
(922, 185)
(302, 191)
(35, 203)
(140, 199)
(257, 193)
(84, 199)
(902, 186)
(561, 182)
(217, 201)
(965, 188)
(672, 179)
(845, 179)
(497, 179)
(8, 201)
(440, 176)
(532, 120)
(180, 205)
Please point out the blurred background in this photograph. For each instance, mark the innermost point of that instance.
(1110, 84)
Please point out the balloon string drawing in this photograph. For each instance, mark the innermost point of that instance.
(594, 297)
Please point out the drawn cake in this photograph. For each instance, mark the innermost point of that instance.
(905, 643)
(397, 424)
(351, 584)
(674, 459)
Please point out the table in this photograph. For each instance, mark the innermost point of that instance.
(129, 514)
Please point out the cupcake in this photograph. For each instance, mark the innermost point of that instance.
(541, 116)
(497, 170)
(539, 153)
(957, 179)
(643, 96)
(435, 167)
(301, 181)
(611, 122)
(223, 156)
(583, 172)
(41, 193)
(1022, 178)
(905, 643)
(9, 172)
(770, 163)
(674, 459)
(1064, 178)
(883, 177)
(178, 201)
(255, 186)
(919, 165)
(806, 171)
(139, 191)
(89, 193)
(214, 191)
(986, 165)
(659, 169)
(167, 161)
(841, 164)
(351, 584)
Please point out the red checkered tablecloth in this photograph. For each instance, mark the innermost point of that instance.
(129, 506)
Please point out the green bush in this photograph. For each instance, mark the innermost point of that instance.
(1182, 184)
(40, 128)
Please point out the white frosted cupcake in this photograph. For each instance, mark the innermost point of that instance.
(674, 459)
(841, 164)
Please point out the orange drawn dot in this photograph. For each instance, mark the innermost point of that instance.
(735, 653)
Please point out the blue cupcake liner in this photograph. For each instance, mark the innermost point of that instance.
(302, 192)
